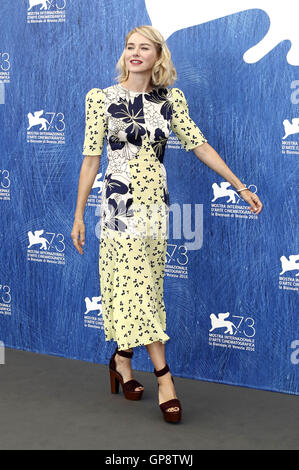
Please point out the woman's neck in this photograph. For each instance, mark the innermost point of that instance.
(139, 82)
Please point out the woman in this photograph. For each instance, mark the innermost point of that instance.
(136, 116)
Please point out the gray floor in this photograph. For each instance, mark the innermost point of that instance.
(49, 402)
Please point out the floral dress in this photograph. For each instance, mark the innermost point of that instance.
(135, 204)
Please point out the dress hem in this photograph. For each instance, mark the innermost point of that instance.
(130, 345)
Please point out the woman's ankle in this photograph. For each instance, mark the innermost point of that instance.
(164, 378)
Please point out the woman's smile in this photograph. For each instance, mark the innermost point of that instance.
(135, 61)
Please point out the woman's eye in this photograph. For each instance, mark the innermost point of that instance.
(143, 48)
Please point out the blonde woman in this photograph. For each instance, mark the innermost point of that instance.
(136, 117)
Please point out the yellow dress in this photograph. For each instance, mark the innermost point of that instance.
(135, 204)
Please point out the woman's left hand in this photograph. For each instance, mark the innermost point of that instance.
(253, 200)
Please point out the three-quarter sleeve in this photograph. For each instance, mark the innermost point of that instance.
(182, 125)
(95, 122)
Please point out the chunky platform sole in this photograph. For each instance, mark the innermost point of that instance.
(169, 416)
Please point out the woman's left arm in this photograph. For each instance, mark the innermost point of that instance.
(208, 155)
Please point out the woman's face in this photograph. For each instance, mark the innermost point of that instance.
(140, 53)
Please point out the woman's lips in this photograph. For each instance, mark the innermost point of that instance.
(135, 62)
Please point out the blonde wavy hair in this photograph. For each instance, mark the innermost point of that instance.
(164, 72)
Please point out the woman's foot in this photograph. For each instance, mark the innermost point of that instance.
(123, 366)
(166, 390)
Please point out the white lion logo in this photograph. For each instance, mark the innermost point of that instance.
(221, 322)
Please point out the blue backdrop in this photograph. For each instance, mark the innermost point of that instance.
(232, 303)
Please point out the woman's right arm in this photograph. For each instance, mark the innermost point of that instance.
(89, 170)
(96, 127)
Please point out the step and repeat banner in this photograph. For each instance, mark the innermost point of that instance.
(232, 277)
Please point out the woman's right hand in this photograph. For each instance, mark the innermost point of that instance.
(78, 234)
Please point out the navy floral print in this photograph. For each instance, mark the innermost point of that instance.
(161, 95)
(130, 113)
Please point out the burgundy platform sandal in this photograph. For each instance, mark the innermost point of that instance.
(169, 416)
(116, 378)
